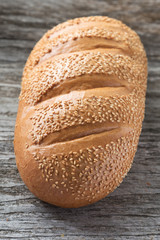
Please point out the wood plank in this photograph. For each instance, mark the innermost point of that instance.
(133, 210)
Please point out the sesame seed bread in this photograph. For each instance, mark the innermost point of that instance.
(80, 111)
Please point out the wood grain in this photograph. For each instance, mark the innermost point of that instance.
(133, 210)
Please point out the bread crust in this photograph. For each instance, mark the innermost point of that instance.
(80, 111)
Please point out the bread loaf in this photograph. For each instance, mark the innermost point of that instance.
(80, 111)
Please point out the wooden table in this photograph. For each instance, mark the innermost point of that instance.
(133, 210)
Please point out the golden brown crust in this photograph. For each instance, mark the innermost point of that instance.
(81, 110)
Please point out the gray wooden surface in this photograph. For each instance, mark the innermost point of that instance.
(133, 210)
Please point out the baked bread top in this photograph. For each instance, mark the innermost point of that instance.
(81, 110)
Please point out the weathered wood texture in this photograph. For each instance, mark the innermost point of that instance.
(133, 210)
